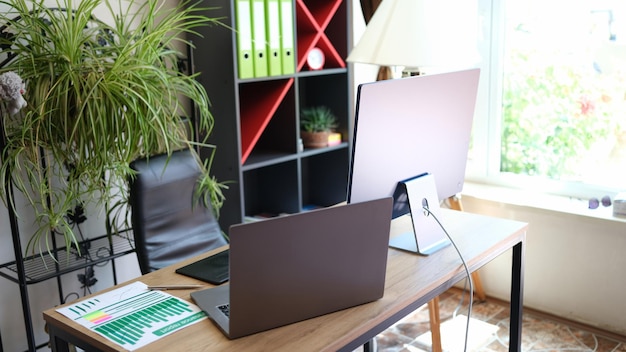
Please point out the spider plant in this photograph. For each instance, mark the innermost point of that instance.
(100, 94)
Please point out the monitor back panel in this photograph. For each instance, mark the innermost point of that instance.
(410, 126)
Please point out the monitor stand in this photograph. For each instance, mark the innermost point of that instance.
(427, 236)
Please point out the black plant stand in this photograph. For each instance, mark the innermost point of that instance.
(25, 271)
(21, 276)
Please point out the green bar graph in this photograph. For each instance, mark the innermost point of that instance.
(130, 328)
(133, 316)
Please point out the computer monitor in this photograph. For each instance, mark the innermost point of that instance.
(408, 127)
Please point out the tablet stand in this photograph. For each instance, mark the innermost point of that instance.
(427, 236)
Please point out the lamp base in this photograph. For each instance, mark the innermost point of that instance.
(384, 73)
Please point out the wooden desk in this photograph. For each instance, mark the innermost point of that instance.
(411, 282)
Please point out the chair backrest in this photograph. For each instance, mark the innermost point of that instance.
(168, 225)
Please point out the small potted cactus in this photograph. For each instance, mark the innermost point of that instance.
(316, 124)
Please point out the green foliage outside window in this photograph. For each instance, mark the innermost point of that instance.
(559, 113)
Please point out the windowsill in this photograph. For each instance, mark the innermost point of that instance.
(541, 201)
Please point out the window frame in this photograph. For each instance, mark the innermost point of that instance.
(484, 160)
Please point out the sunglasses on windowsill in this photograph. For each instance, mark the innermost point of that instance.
(594, 203)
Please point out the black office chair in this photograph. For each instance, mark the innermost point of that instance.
(168, 225)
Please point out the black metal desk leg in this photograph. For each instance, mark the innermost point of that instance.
(517, 293)
(369, 346)
(57, 344)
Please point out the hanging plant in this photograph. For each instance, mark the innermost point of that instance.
(99, 95)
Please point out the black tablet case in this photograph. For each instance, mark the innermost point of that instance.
(213, 269)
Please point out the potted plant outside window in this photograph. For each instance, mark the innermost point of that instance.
(316, 124)
(99, 95)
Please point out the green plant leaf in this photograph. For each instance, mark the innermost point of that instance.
(317, 119)
(100, 94)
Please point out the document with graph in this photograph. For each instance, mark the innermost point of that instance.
(133, 316)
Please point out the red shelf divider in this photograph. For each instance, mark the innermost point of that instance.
(262, 101)
(322, 12)
(311, 23)
(333, 59)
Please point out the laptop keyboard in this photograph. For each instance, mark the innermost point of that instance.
(225, 308)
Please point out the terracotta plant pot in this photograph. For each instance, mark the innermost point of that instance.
(314, 139)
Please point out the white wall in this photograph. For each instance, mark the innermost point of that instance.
(574, 264)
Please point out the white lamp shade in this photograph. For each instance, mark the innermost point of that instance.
(419, 33)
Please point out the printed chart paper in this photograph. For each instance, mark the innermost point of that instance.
(133, 316)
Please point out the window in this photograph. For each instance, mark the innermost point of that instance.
(552, 102)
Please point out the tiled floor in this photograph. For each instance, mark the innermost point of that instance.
(538, 332)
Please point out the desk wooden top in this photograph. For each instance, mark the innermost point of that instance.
(412, 280)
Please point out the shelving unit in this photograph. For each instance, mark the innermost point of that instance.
(257, 119)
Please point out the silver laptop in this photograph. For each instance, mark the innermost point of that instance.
(288, 269)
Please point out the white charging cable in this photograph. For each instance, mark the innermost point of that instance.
(468, 273)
